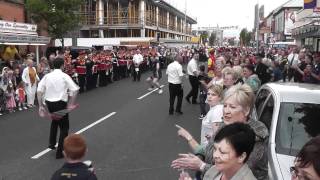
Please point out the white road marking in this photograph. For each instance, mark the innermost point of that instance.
(147, 94)
(37, 156)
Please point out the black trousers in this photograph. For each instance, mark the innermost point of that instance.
(195, 88)
(175, 90)
(102, 78)
(82, 82)
(202, 101)
(62, 123)
(136, 74)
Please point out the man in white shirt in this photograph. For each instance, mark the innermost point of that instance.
(175, 74)
(293, 59)
(193, 71)
(137, 60)
(58, 91)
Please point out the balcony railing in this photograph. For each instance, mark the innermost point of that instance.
(91, 19)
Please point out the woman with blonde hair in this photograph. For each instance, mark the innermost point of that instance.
(237, 107)
(30, 79)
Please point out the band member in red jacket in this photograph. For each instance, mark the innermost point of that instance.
(81, 70)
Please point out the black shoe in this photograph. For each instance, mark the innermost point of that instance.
(170, 112)
(188, 100)
(52, 147)
(195, 102)
(179, 112)
(59, 156)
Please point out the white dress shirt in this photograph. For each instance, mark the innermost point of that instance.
(294, 57)
(137, 59)
(192, 67)
(56, 85)
(174, 72)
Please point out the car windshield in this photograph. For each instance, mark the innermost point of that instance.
(298, 122)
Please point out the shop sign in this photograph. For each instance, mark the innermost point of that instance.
(17, 28)
(5, 38)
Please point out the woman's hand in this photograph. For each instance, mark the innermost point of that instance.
(184, 133)
(187, 161)
(184, 176)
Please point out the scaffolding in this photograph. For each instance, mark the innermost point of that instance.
(126, 16)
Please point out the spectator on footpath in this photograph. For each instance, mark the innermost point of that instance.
(237, 107)
(59, 92)
(30, 79)
(204, 80)
(10, 53)
(251, 78)
(233, 145)
(307, 162)
(193, 72)
(276, 72)
(74, 151)
(262, 70)
(175, 74)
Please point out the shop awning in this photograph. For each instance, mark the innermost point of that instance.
(307, 31)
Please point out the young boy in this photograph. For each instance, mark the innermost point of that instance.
(204, 80)
(74, 169)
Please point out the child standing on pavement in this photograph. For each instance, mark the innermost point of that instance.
(21, 96)
(11, 103)
(204, 80)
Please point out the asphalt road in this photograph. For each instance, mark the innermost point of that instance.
(137, 142)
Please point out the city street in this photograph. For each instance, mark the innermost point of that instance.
(129, 138)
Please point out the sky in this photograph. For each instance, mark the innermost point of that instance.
(225, 12)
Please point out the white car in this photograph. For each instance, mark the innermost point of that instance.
(291, 112)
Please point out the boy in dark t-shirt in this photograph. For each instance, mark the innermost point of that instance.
(203, 80)
(74, 169)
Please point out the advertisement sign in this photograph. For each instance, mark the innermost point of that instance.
(310, 4)
(17, 28)
(289, 20)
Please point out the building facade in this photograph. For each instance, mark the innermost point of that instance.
(134, 18)
(307, 29)
(12, 10)
(278, 25)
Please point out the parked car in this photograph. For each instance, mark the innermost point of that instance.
(291, 112)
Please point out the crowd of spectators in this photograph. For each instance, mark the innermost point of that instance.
(239, 73)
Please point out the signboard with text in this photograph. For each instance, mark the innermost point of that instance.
(17, 28)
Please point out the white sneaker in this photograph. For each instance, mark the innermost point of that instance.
(160, 91)
(150, 89)
(25, 107)
(20, 109)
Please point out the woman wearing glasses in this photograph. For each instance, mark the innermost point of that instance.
(307, 162)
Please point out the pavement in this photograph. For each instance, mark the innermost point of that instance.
(127, 137)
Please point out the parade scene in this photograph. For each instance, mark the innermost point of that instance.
(159, 90)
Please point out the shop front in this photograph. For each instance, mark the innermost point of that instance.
(21, 34)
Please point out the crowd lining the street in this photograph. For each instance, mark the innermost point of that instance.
(233, 145)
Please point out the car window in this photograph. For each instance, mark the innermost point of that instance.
(267, 112)
(297, 123)
(260, 99)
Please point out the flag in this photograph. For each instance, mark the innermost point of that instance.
(310, 4)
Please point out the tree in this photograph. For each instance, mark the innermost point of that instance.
(204, 37)
(59, 16)
(231, 41)
(245, 37)
(212, 39)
